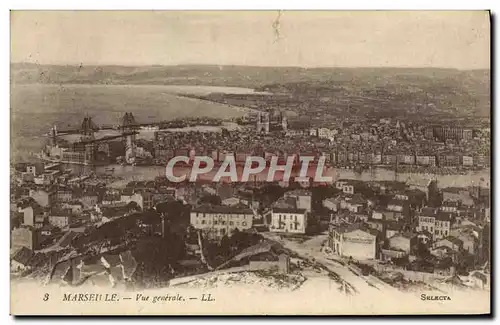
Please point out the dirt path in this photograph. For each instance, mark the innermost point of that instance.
(311, 251)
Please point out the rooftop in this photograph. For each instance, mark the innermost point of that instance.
(289, 210)
(427, 212)
(347, 228)
(301, 192)
(453, 240)
(455, 190)
(397, 202)
(406, 234)
(221, 209)
(23, 255)
(445, 216)
(58, 212)
(357, 199)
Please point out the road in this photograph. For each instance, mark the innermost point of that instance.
(312, 249)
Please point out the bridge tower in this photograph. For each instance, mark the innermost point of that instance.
(259, 122)
(54, 136)
(129, 125)
(87, 131)
(263, 122)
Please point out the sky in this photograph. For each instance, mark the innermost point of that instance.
(445, 39)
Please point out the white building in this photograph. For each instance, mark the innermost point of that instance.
(353, 240)
(402, 197)
(127, 197)
(218, 221)
(396, 205)
(402, 242)
(345, 186)
(437, 223)
(31, 169)
(449, 206)
(467, 160)
(327, 133)
(59, 220)
(288, 220)
(43, 198)
(331, 203)
(354, 203)
(302, 198)
(28, 215)
(231, 201)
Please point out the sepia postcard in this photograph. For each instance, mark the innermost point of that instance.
(250, 163)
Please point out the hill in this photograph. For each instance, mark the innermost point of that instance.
(461, 92)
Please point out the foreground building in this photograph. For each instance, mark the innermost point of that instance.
(353, 240)
(438, 223)
(288, 220)
(219, 221)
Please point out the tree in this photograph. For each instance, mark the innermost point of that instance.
(241, 240)
(176, 214)
(464, 262)
(225, 246)
(320, 193)
(270, 193)
(402, 261)
(174, 209)
(191, 235)
(158, 258)
(116, 232)
(133, 206)
(162, 208)
(421, 250)
(16, 220)
(150, 217)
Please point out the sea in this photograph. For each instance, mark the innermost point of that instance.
(35, 108)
